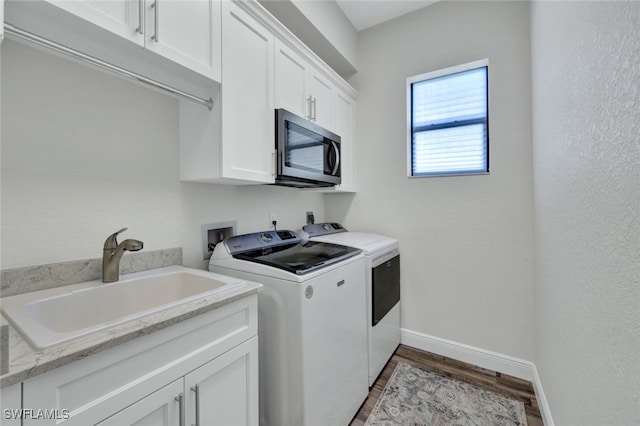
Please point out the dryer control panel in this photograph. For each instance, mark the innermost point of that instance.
(317, 229)
(258, 240)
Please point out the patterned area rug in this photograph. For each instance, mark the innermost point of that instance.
(414, 396)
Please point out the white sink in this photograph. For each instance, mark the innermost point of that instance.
(50, 317)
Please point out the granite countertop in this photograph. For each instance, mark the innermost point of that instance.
(25, 362)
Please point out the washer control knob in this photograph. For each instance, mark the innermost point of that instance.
(326, 227)
(266, 237)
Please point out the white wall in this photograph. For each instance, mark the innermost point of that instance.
(466, 242)
(323, 27)
(586, 120)
(333, 24)
(85, 153)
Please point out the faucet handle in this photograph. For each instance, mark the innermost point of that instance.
(111, 243)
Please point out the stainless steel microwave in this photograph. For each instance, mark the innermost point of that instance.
(308, 156)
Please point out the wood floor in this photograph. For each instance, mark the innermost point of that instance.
(508, 386)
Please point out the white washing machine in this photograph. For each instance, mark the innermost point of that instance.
(382, 264)
(312, 325)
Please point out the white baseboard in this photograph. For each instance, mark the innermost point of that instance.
(482, 358)
(542, 399)
(465, 353)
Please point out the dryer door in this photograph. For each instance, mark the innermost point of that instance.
(386, 288)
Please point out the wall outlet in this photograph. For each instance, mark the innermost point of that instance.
(310, 218)
(214, 233)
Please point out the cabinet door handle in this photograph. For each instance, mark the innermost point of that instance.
(196, 389)
(180, 399)
(313, 102)
(155, 7)
(140, 16)
(309, 100)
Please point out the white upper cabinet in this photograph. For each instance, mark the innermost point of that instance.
(186, 31)
(248, 118)
(233, 52)
(234, 143)
(301, 88)
(122, 17)
(292, 76)
(344, 108)
(321, 100)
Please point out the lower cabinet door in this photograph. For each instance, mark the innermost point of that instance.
(224, 391)
(11, 399)
(161, 408)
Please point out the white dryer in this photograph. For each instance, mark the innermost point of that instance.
(382, 270)
(311, 327)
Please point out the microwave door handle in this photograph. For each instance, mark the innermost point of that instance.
(337, 163)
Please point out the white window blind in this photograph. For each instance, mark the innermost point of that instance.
(448, 121)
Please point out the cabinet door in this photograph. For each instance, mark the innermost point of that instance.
(248, 118)
(161, 408)
(291, 72)
(344, 125)
(227, 388)
(121, 17)
(11, 404)
(187, 32)
(321, 91)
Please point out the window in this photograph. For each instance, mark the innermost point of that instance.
(447, 114)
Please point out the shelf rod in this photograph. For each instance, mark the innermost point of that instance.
(25, 35)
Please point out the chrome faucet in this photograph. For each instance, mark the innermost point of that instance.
(112, 253)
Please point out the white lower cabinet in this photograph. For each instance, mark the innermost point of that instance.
(203, 370)
(161, 408)
(225, 390)
(11, 405)
(221, 392)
